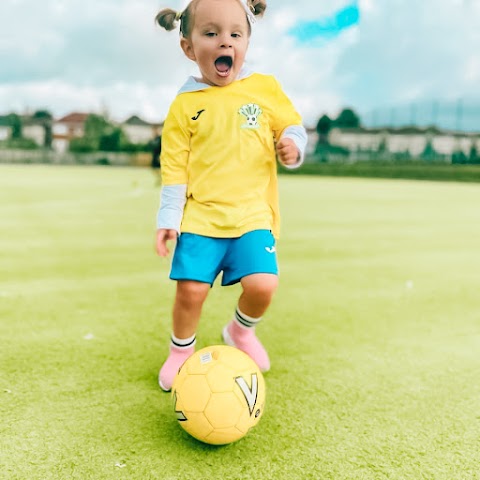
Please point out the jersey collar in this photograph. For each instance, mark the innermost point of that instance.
(194, 84)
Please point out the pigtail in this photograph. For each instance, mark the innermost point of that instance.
(257, 7)
(167, 19)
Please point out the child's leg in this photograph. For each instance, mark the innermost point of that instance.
(258, 290)
(187, 308)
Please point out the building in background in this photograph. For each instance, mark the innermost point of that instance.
(343, 139)
(414, 142)
(34, 129)
(5, 128)
(139, 131)
(66, 128)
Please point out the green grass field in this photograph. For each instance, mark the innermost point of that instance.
(374, 334)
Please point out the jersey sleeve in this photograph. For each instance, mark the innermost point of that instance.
(175, 148)
(172, 203)
(285, 113)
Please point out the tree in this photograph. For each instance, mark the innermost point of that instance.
(42, 115)
(459, 157)
(473, 157)
(347, 119)
(96, 126)
(46, 118)
(429, 153)
(324, 126)
(83, 145)
(15, 123)
(100, 134)
(113, 142)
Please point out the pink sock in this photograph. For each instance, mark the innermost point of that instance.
(241, 336)
(180, 350)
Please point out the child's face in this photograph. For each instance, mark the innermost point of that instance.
(219, 40)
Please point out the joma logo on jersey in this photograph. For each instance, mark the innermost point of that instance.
(251, 112)
(197, 116)
(250, 393)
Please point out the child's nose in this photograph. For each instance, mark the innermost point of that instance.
(225, 41)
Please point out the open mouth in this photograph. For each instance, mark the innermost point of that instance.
(223, 65)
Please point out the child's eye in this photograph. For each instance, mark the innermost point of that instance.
(210, 34)
(236, 35)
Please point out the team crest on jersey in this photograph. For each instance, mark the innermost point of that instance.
(251, 112)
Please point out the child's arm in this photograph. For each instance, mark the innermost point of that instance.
(291, 146)
(288, 130)
(169, 216)
(173, 196)
(164, 235)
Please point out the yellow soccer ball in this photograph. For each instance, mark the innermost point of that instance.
(218, 395)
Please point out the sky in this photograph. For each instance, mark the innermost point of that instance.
(386, 59)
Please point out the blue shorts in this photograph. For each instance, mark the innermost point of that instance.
(202, 258)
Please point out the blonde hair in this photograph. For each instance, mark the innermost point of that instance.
(168, 18)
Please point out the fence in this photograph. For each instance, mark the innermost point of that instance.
(69, 158)
(462, 114)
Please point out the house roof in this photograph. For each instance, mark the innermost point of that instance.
(74, 117)
(137, 121)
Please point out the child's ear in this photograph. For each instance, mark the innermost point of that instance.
(187, 48)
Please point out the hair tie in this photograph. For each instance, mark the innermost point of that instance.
(178, 16)
(249, 10)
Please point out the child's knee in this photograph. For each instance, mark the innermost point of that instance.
(192, 293)
(260, 285)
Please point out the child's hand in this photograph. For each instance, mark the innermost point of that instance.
(163, 236)
(287, 151)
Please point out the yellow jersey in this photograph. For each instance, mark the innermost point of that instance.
(220, 143)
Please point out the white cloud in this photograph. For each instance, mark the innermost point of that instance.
(472, 70)
(419, 49)
(87, 54)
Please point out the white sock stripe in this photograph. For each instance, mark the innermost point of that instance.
(183, 342)
(245, 320)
